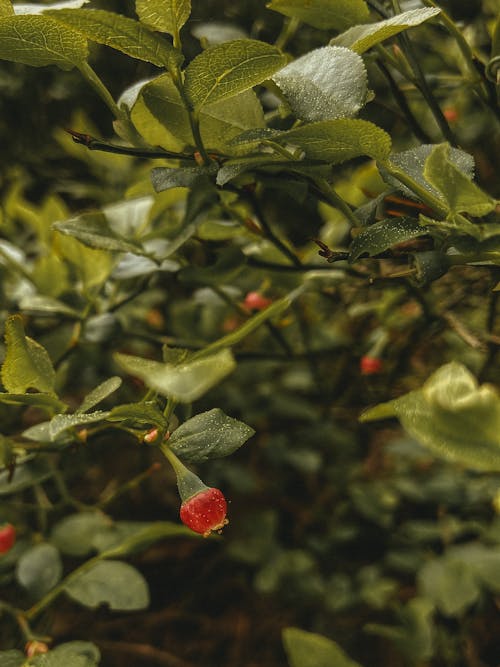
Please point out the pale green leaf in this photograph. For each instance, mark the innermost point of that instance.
(74, 535)
(39, 400)
(6, 8)
(93, 230)
(216, 32)
(450, 584)
(51, 430)
(100, 392)
(70, 654)
(383, 234)
(113, 583)
(145, 413)
(455, 187)
(308, 649)
(451, 415)
(12, 658)
(164, 15)
(27, 364)
(39, 569)
(32, 8)
(336, 141)
(92, 266)
(324, 14)
(184, 382)
(209, 435)
(360, 38)
(40, 41)
(224, 70)
(45, 305)
(120, 33)
(326, 83)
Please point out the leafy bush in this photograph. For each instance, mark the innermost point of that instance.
(292, 236)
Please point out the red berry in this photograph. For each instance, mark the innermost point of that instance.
(370, 365)
(205, 511)
(35, 647)
(7, 538)
(451, 114)
(255, 301)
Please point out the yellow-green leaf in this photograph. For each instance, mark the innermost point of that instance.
(227, 69)
(324, 14)
(39, 41)
(164, 15)
(6, 8)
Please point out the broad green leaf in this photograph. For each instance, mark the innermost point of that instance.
(113, 583)
(25, 476)
(98, 394)
(324, 14)
(413, 161)
(209, 435)
(384, 234)
(164, 178)
(450, 584)
(185, 382)
(451, 415)
(164, 15)
(6, 9)
(92, 266)
(326, 83)
(93, 230)
(12, 658)
(308, 649)
(455, 187)
(32, 8)
(27, 364)
(161, 117)
(70, 654)
(40, 41)
(138, 414)
(39, 400)
(74, 535)
(360, 38)
(39, 569)
(51, 430)
(129, 218)
(120, 33)
(46, 305)
(224, 70)
(336, 141)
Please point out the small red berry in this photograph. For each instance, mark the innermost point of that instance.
(205, 511)
(370, 365)
(255, 301)
(451, 114)
(7, 538)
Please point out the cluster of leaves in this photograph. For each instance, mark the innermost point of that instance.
(227, 166)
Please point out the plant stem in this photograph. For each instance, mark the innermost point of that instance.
(333, 198)
(423, 194)
(288, 30)
(91, 77)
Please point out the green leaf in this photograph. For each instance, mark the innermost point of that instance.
(12, 658)
(326, 83)
(120, 33)
(209, 435)
(224, 70)
(93, 230)
(27, 364)
(90, 265)
(6, 8)
(383, 235)
(39, 400)
(456, 188)
(39, 569)
(452, 416)
(98, 394)
(138, 414)
(74, 535)
(39, 41)
(37, 304)
(308, 649)
(450, 584)
(51, 430)
(164, 178)
(324, 14)
(25, 475)
(32, 8)
(336, 141)
(70, 654)
(184, 382)
(116, 584)
(164, 15)
(360, 38)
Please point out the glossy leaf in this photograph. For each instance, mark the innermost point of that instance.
(455, 187)
(209, 435)
(93, 230)
(32, 8)
(27, 364)
(70, 654)
(360, 38)
(39, 569)
(164, 15)
(451, 415)
(74, 535)
(326, 83)
(40, 41)
(308, 649)
(224, 70)
(384, 234)
(335, 141)
(100, 392)
(120, 33)
(25, 475)
(113, 583)
(51, 431)
(164, 178)
(324, 14)
(138, 414)
(185, 382)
